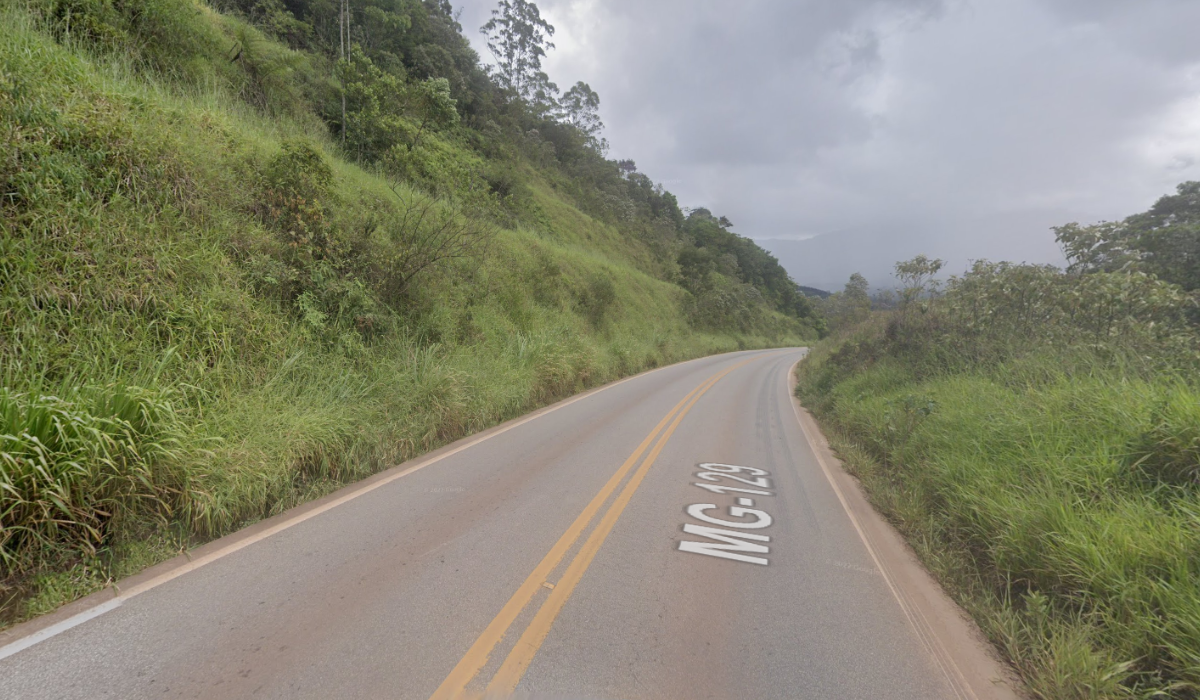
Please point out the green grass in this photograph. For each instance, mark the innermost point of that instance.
(72, 464)
(1057, 502)
(172, 367)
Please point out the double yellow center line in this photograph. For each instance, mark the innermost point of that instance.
(509, 675)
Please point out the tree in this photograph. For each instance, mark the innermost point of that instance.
(381, 108)
(857, 289)
(916, 278)
(1164, 241)
(1102, 247)
(518, 37)
(1168, 236)
(374, 105)
(432, 100)
(543, 96)
(579, 108)
(851, 305)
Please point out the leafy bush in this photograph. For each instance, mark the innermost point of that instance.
(296, 191)
(350, 273)
(998, 311)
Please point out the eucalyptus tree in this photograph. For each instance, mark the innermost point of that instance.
(542, 96)
(518, 37)
(579, 107)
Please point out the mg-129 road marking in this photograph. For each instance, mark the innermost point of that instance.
(509, 675)
(735, 544)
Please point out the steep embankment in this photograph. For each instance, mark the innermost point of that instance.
(209, 315)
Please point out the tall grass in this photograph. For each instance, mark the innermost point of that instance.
(1051, 487)
(70, 466)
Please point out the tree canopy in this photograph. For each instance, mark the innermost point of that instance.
(1164, 241)
(518, 37)
(409, 73)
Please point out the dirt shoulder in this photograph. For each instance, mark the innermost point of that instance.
(956, 643)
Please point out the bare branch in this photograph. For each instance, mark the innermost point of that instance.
(421, 235)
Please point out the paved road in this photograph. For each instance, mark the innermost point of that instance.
(587, 552)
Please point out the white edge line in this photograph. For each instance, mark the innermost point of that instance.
(122, 596)
(44, 634)
(957, 680)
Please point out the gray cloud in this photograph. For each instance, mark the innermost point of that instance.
(903, 116)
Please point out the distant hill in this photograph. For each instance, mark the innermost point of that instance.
(813, 291)
(827, 261)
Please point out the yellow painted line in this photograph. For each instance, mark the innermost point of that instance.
(16, 641)
(506, 679)
(477, 656)
(454, 687)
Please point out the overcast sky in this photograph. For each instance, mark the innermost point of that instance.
(802, 117)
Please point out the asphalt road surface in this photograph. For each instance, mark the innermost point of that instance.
(669, 536)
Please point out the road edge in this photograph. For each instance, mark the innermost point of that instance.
(970, 662)
(26, 634)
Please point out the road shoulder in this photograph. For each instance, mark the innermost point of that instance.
(20, 636)
(955, 642)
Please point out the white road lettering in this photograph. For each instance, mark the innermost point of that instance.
(718, 489)
(731, 468)
(735, 544)
(762, 519)
(760, 482)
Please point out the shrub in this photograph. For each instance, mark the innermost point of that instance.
(1000, 311)
(596, 299)
(728, 306)
(414, 235)
(296, 190)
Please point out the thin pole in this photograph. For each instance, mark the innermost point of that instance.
(343, 37)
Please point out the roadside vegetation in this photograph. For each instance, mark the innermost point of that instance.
(256, 250)
(1035, 433)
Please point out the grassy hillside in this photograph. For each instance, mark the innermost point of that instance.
(1036, 435)
(215, 307)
